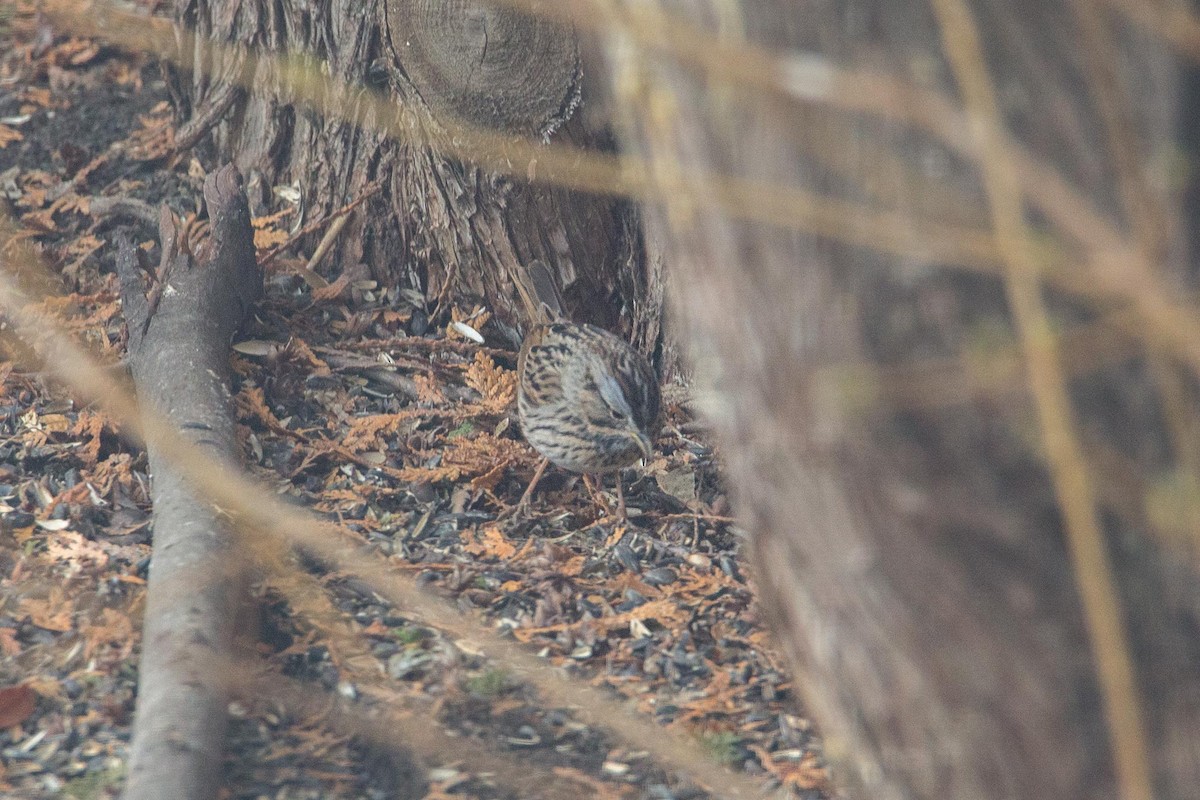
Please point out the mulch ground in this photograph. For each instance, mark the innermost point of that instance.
(360, 403)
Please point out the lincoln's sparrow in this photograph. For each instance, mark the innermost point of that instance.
(587, 401)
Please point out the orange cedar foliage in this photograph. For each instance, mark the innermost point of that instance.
(38, 96)
(428, 390)
(9, 646)
(116, 469)
(591, 787)
(266, 233)
(492, 544)
(804, 774)
(481, 454)
(89, 425)
(495, 385)
(8, 136)
(156, 136)
(662, 611)
(488, 480)
(299, 349)
(365, 431)
(74, 52)
(36, 429)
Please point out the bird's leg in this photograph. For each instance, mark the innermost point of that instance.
(523, 503)
(599, 499)
(597, 494)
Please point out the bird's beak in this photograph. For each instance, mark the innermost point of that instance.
(644, 444)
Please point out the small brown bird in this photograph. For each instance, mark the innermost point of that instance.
(587, 401)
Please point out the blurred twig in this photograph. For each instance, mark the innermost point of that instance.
(1175, 24)
(1151, 221)
(1093, 570)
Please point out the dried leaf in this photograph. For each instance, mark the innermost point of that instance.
(52, 614)
(16, 704)
(77, 552)
(680, 483)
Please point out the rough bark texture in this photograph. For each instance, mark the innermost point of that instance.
(446, 229)
(179, 353)
(910, 555)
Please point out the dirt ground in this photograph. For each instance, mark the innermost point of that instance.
(364, 405)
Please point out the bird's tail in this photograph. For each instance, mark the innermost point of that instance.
(547, 305)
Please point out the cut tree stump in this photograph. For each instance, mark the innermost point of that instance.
(440, 228)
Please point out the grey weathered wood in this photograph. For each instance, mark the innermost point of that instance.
(489, 65)
(179, 354)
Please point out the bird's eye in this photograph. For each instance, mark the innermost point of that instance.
(616, 414)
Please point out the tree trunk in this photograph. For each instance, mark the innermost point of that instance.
(907, 545)
(447, 229)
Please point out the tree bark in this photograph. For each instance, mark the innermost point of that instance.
(906, 545)
(446, 229)
(179, 353)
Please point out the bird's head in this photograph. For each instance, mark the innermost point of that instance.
(625, 408)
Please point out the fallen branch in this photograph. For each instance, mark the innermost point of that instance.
(179, 353)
